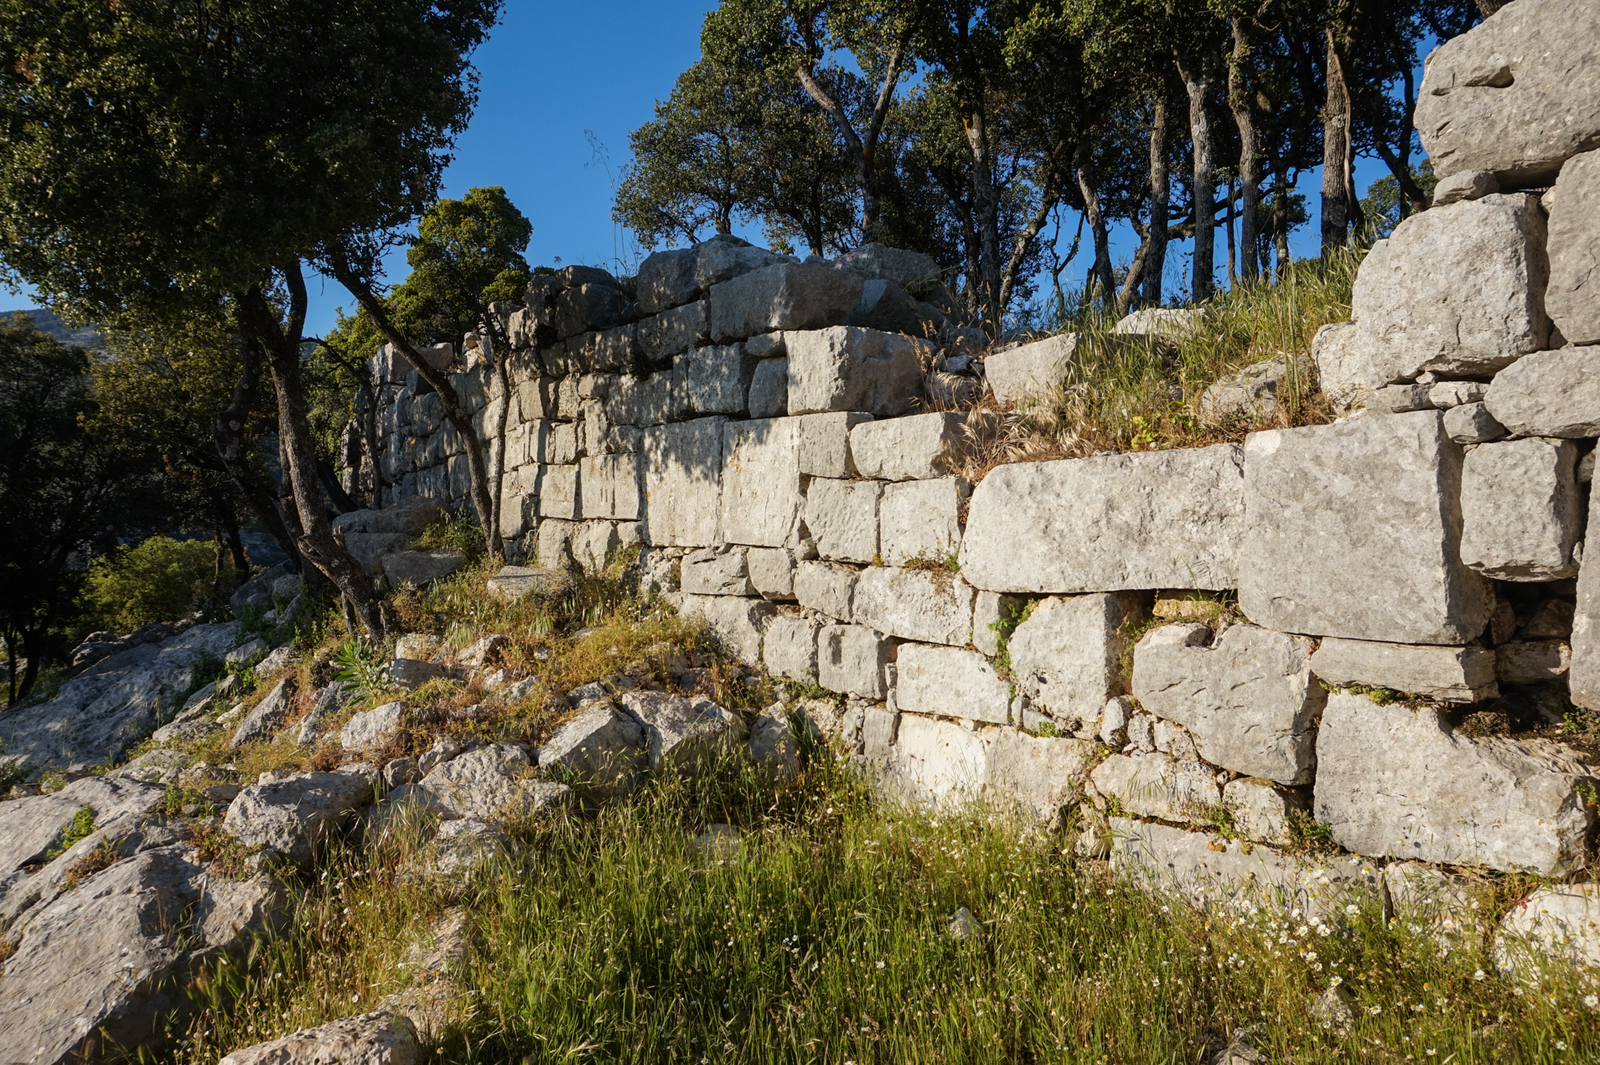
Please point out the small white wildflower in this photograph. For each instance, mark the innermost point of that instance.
(1591, 1001)
(1479, 975)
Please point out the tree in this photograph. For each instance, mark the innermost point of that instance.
(161, 157)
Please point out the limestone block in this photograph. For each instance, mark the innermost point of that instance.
(911, 270)
(790, 649)
(886, 305)
(902, 449)
(586, 307)
(1521, 514)
(771, 571)
(936, 763)
(1550, 393)
(1163, 519)
(557, 491)
(1560, 921)
(1346, 365)
(1516, 95)
(1532, 661)
(372, 729)
(666, 279)
(826, 587)
(683, 733)
(1263, 811)
(1573, 298)
(1156, 785)
(1457, 289)
(725, 257)
(950, 682)
(513, 582)
(769, 389)
(563, 444)
(1225, 874)
(1398, 399)
(760, 482)
(616, 348)
(1251, 390)
(602, 746)
(991, 612)
(1448, 674)
(609, 487)
(716, 571)
(842, 518)
(854, 660)
(1396, 781)
(1044, 775)
(1583, 679)
(1353, 530)
(292, 815)
(1447, 394)
(782, 296)
(1064, 656)
(653, 399)
(1471, 423)
(379, 1038)
(847, 368)
(714, 380)
(774, 748)
(594, 543)
(1030, 370)
(878, 729)
(920, 519)
(1171, 324)
(825, 443)
(738, 623)
(933, 607)
(1467, 185)
(673, 332)
(682, 478)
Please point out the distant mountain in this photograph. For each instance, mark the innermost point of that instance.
(51, 323)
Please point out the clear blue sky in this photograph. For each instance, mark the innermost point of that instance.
(557, 81)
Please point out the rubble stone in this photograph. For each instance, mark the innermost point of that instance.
(1156, 785)
(1471, 423)
(680, 733)
(1030, 370)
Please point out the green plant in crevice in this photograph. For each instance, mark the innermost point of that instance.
(79, 828)
(361, 664)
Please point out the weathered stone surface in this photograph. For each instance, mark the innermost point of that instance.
(489, 783)
(1398, 399)
(1353, 530)
(1561, 921)
(826, 587)
(886, 305)
(921, 519)
(1396, 781)
(1457, 289)
(268, 716)
(1571, 299)
(936, 763)
(602, 746)
(1252, 391)
(1045, 775)
(774, 748)
(903, 449)
(1166, 519)
(1549, 393)
(847, 368)
(911, 270)
(683, 482)
(1531, 661)
(650, 400)
(714, 571)
(825, 443)
(991, 613)
(760, 482)
(915, 604)
(1521, 514)
(842, 517)
(714, 380)
(413, 569)
(1030, 370)
(410, 673)
(30, 827)
(790, 648)
(1449, 674)
(589, 307)
(1516, 95)
(666, 279)
(724, 257)
(1261, 810)
(1447, 394)
(771, 571)
(372, 729)
(950, 682)
(1583, 679)
(380, 1038)
(1064, 656)
(463, 847)
(1157, 785)
(1467, 185)
(1169, 323)
(854, 659)
(609, 487)
(680, 733)
(291, 816)
(1471, 423)
(673, 332)
(1209, 872)
(513, 582)
(738, 623)
(769, 389)
(1346, 365)
(783, 296)
(1250, 701)
(557, 492)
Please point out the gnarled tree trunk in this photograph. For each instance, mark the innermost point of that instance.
(1155, 263)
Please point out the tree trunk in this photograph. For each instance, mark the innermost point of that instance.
(1280, 221)
(863, 148)
(1489, 7)
(1249, 174)
(1233, 274)
(233, 447)
(986, 205)
(1198, 86)
(1160, 201)
(1101, 271)
(1336, 137)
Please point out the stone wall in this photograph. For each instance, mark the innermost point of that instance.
(769, 433)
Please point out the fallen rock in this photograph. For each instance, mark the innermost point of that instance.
(1030, 371)
(1170, 324)
(290, 817)
(1252, 391)
(679, 733)
(774, 747)
(464, 846)
(267, 717)
(601, 747)
(513, 582)
(371, 729)
(246, 655)
(1561, 921)
(490, 784)
(380, 1038)
(414, 569)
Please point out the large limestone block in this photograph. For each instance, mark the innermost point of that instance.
(950, 682)
(921, 519)
(1583, 676)
(1448, 674)
(760, 482)
(492, 784)
(826, 587)
(936, 763)
(1396, 781)
(854, 660)
(769, 389)
(771, 571)
(1516, 95)
(1561, 921)
(291, 816)
(1223, 874)
(714, 380)
(557, 492)
(1250, 701)
(1030, 370)
(1045, 775)
(1164, 519)
(380, 1038)
(783, 296)
(1457, 289)
(903, 449)
(682, 478)
(842, 517)
(790, 648)
(725, 257)
(666, 279)
(1157, 785)
(1064, 656)
(1573, 296)
(673, 332)
(1520, 509)
(1346, 360)
(933, 607)
(846, 368)
(1354, 530)
(716, 571)
(608, 487)
(601, 746)
(825, 443)
(911, 270)
(653, 399)
(738, 623)
(683, 733)
(1550, 393)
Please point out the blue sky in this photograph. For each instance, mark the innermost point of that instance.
(559, 81)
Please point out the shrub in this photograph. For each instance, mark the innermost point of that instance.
(160, 579)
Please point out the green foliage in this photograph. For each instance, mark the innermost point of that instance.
(456, 530)
(180, 801)
(1309, 835)
(159, 579)
(80, 827)
(1383, 202)
(362, 665)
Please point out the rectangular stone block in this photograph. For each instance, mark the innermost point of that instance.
(1250, 701)
(854, 660)
(936, 764)
(1164, 519)
(682, 482)
(922, 446)
(1573, 296)
(1353, 530)
(654, 399)
(1064, 656)
(760, 482)
(606, 350)
(1449, 674)
(1045, 775)
(825, 443)
(771, 571)
(847, 368)
(1549, 393)
(1157, 785)
(1030, 370)
(1520, 509)
(1398, 782)
(782, 296)
(790, 649)
(950, 682)
(666, 279)
(557, 489)
(714, 380)
(921, 519)
(842, 518)
(609, 487)
(716, 571)
(1583, 676)
(769, 389)
(673, 332)
(915, 604)
(826, 587)
(739, 624)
